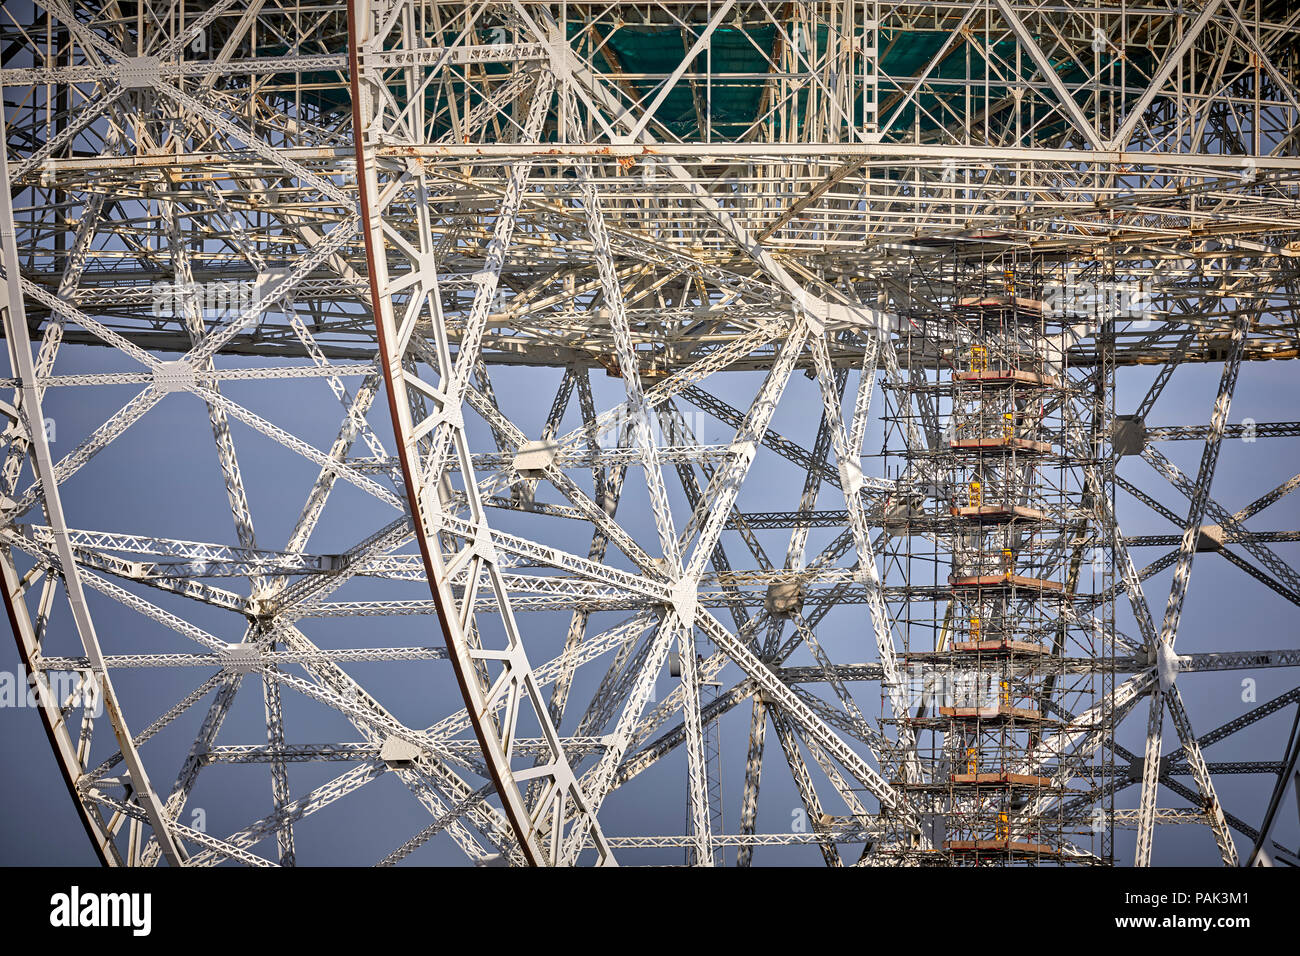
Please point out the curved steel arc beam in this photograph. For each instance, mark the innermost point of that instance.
(56, 728)
(543, 826)
(20, 352)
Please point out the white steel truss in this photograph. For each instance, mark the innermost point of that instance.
(546, 349)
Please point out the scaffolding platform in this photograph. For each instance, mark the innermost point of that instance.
(1005, 848)
(1002, 303)
(997, 514)
(998, 377)
(1002, 780)
(1002, 647)
(1026, 445)
(995, 712)
(1005, 581)
(965, 651)
(944, 722)
(974, 782)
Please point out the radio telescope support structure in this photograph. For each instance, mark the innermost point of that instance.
(652, 432)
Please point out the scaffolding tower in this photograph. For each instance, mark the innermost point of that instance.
(1005, 610)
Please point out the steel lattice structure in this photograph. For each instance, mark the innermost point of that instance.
(641, 330)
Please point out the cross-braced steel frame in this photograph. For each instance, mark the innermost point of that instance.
(583, 379)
